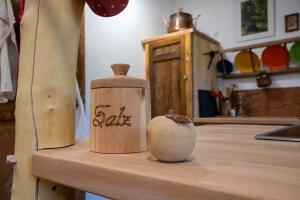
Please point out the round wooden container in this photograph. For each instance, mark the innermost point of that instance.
(120, 112)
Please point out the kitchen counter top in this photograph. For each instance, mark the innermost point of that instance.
(247, 120)
(227, 163)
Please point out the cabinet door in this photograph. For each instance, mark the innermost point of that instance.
(166, 75)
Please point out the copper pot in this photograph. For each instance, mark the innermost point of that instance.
(181, 20)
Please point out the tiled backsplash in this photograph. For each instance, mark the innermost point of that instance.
(275, 102)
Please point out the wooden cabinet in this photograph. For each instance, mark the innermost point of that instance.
(176, 68)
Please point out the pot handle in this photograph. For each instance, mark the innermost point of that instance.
(196, 20)
(165, 22)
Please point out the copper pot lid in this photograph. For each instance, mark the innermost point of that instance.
(107, 8)
(120, 79)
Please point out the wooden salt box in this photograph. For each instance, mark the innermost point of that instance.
(120, 112)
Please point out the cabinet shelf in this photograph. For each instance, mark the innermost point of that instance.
(249, 48)
(261, 45)
(254, 74)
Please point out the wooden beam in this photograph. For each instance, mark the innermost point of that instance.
(261, 45)
(254, 74)
(45, 104)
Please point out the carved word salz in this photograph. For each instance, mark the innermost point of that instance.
(101, 119)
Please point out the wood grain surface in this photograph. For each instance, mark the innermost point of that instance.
(45, 104)
(177, 68)
(119, 118)
(204, 78)
(166, 67)
(227, 163)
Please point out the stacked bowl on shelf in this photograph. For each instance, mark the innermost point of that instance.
(274, 58)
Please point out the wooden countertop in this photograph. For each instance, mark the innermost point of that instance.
(227, 163)
(247, 120)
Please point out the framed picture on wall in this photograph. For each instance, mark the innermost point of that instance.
(254, 19)
(292, 22)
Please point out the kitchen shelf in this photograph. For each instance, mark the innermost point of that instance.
(261, 45)
(249, 49)
(254, 74)
(227, 163)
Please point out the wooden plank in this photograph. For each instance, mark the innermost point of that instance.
(254, 74)
(187, 61)
(227, 163)
(247, 120)
(165, 75)
(45, 105)
(203, 78)
(167, 56)
(126, 133)
(184, 50)
(148, 57)
(260, 45)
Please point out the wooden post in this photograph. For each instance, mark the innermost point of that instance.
(45, 104)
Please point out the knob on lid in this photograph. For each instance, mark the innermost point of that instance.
(120, 79)
(120, 69)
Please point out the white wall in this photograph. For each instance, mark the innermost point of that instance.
(118, 40)
(218, 20)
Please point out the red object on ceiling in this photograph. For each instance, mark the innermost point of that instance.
(21, 11)
(107, 8)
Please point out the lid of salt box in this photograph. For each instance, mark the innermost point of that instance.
(120, 79)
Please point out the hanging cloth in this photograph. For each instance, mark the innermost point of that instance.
(8, 53)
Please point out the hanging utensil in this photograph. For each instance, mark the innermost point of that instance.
(212, 55)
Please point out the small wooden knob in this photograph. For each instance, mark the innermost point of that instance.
(120, 69)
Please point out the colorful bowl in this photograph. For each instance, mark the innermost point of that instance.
(243, 62)
(228, 67)
(295, 53)
(275, 57)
